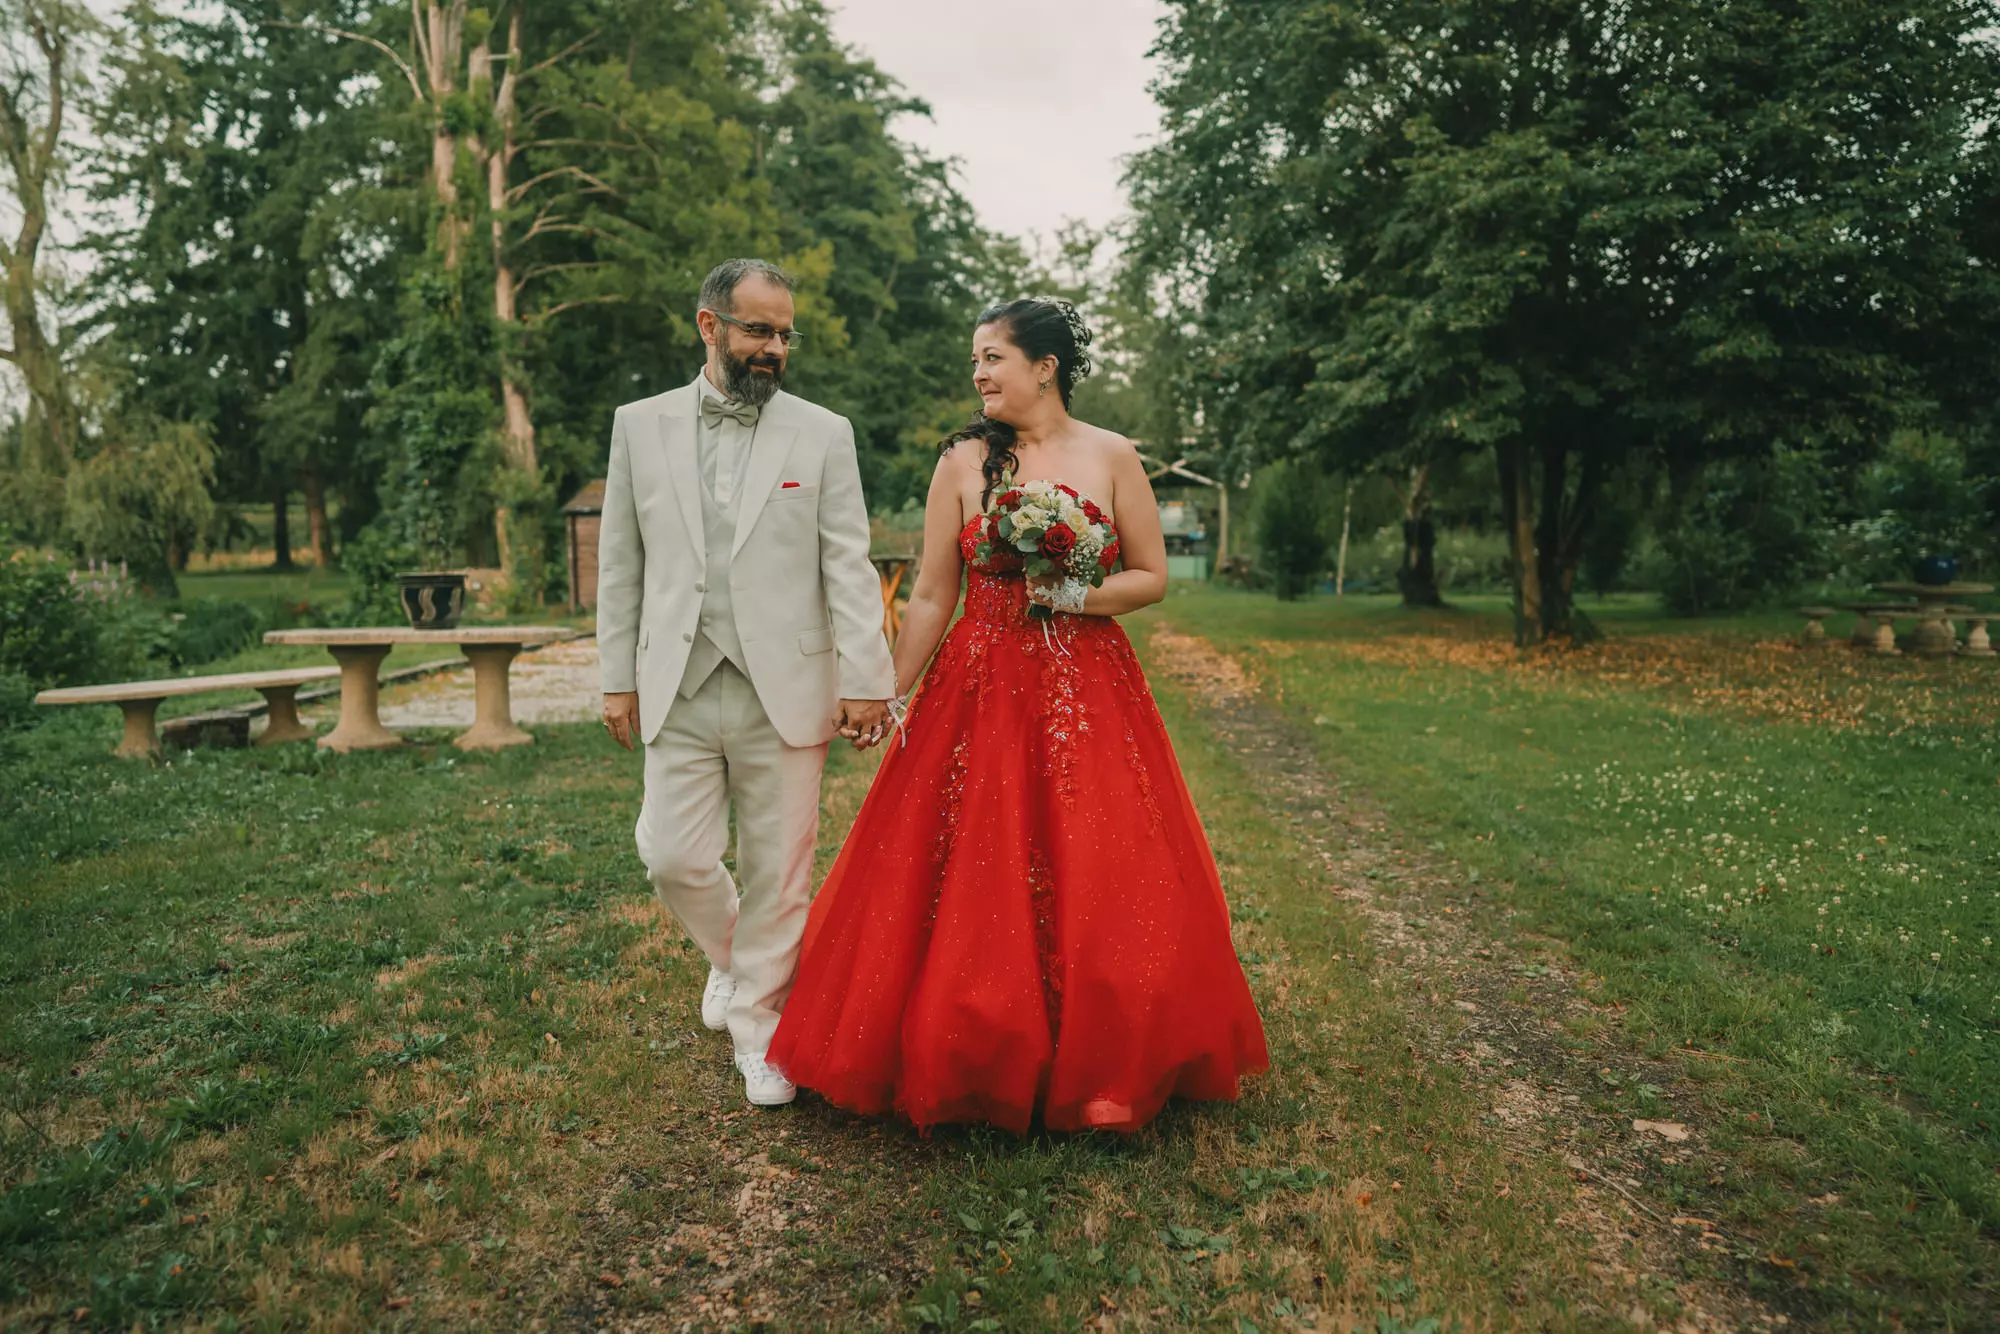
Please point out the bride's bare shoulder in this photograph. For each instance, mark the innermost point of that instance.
(1117, 452)
(963, 455)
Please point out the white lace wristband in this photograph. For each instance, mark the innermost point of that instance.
(1066, 596)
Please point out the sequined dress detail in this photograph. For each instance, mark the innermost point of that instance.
(1026, 919)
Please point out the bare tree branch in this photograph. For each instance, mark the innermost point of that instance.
(554, 311)
(419, 39)
(541, 270)
(568, 169)
(561, 55)
(416, 88)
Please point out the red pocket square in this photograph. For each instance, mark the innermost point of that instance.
(786, 486)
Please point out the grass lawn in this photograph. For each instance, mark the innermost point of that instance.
(1787, 860)
(396, 1040)
(324, 589)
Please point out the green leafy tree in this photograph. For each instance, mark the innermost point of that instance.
(143, 497)
(1569, 233)
(250, 230)
(908, 265)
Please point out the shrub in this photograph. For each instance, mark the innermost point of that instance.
(47, 635)
(1919, 499)
(212, 628)
(1289, 512)
(1751, 535)
(58, 628)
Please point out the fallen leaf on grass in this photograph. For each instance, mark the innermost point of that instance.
(610, 1280)
(1780, 1261)
(1693, 1222)
(387, 1154)
(397, 1303)
(1669, 1130)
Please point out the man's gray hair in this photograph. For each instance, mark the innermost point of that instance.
(718, 289)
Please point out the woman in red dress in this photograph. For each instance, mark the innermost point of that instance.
(1025, 919)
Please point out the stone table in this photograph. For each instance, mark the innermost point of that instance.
(359, 651)
(1875, 625)
(141, 700)
(1934, 636)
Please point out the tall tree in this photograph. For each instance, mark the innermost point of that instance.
(249, 225)
(908, 265)
(1567, 232)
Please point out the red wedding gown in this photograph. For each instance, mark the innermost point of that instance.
(1026, 917)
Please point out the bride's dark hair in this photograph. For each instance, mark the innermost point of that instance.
(1040, 327)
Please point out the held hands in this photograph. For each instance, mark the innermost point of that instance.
(621, 716)
(863, 721)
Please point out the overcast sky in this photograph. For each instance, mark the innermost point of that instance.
(1037, 99)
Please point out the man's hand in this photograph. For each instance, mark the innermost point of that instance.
(621, 716)
(862, 721)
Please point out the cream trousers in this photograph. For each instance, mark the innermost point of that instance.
(715, 747)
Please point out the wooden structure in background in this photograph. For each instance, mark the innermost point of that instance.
(582, 516)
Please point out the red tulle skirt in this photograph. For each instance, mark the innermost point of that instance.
(1026, 918)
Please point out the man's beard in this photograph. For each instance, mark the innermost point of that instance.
(748, 386)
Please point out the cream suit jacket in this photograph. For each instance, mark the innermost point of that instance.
(808, 603)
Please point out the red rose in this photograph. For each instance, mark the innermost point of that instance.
(1109, 556)
(1011, 499)
(1091, 512)
(1058, 542)
(1068, 490)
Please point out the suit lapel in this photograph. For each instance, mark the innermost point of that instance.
(677, 443)
(769, 449)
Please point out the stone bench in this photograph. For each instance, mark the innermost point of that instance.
(1815, 631)
(141, 700)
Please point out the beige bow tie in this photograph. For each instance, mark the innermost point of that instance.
(715, 411)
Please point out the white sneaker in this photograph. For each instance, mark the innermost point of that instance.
(762, 1085)
(715, 998)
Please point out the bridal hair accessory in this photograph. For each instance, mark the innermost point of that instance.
(1080, 335)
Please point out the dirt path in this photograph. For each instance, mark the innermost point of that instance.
(1506, 1008)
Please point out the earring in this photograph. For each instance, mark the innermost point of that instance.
(1043, 391)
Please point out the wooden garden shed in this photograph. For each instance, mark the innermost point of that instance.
(581, 517)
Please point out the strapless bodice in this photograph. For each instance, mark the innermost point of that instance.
(996, 591)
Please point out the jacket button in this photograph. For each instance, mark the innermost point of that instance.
(687, 639)
(701, 588)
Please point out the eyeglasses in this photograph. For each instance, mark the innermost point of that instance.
(763, 333)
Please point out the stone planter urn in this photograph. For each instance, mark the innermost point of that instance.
(1935, 571)
(432, 599)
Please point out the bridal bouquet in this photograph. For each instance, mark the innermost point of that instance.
(1054, 532)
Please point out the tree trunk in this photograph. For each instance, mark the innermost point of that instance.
(1545, 536)
(1517, 511)
(281, 528)
(1340, 564)
(318, 531)
(440, 32)
(1555, 599)
(32, 154)
(1417, 579)
(517, 438)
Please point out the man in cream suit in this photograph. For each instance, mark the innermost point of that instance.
(739, 629)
